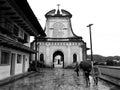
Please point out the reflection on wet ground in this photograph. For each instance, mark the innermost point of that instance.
(56, 79)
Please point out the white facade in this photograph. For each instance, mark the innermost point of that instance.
(16, 27)
(60, 41)
(67, 48)
(13, 67)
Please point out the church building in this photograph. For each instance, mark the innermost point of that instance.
(61, 47)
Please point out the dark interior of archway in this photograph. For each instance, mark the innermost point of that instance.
(58, 53)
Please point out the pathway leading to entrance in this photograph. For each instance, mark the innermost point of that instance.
(56, 79)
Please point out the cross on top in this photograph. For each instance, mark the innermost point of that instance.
(58, 5)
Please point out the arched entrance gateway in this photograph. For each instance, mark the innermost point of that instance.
(61, 47)
(58, 59)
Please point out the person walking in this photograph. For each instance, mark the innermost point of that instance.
(77, 69)
(86, 67)
(86, 75)
(96, 74)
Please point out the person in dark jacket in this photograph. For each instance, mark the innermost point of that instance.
(86, 75)
(77, 69)
(86, 67)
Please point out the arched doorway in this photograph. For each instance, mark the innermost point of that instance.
(58, 59)
(41, 57)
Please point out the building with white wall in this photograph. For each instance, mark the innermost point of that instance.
(17, 24)
(61, 47)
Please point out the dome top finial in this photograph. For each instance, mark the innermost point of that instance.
(58, 11)
(58, 6)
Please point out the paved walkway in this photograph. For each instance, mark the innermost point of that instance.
(56, 79)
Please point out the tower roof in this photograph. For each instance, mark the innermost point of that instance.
(58, 13)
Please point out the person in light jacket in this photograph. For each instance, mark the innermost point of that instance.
(96, 74)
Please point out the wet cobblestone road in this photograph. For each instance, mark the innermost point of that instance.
(56, 79)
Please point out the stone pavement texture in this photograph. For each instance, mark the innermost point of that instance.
(56, 79)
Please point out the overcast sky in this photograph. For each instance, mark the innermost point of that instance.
(104, 14)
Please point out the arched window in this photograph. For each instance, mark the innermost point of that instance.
(74, 58)
(41, 57)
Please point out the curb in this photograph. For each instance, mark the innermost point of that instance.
(14, 78)
(110, 79)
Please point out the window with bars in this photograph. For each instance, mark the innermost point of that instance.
(5, 58)
(8, 25)
(15, 30)
(21, 34)
(25, 37)
(19, 58)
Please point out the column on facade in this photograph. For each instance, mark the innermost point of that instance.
(81, 53)
(84, 51)
(47, 57)
(68, 54)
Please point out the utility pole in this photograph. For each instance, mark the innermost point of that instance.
(89, 26)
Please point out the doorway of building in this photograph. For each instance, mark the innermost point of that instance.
(23, 67)
(58, 59)
(12, 68)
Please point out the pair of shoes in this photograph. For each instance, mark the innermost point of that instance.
(87, 84)
(96, 83)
